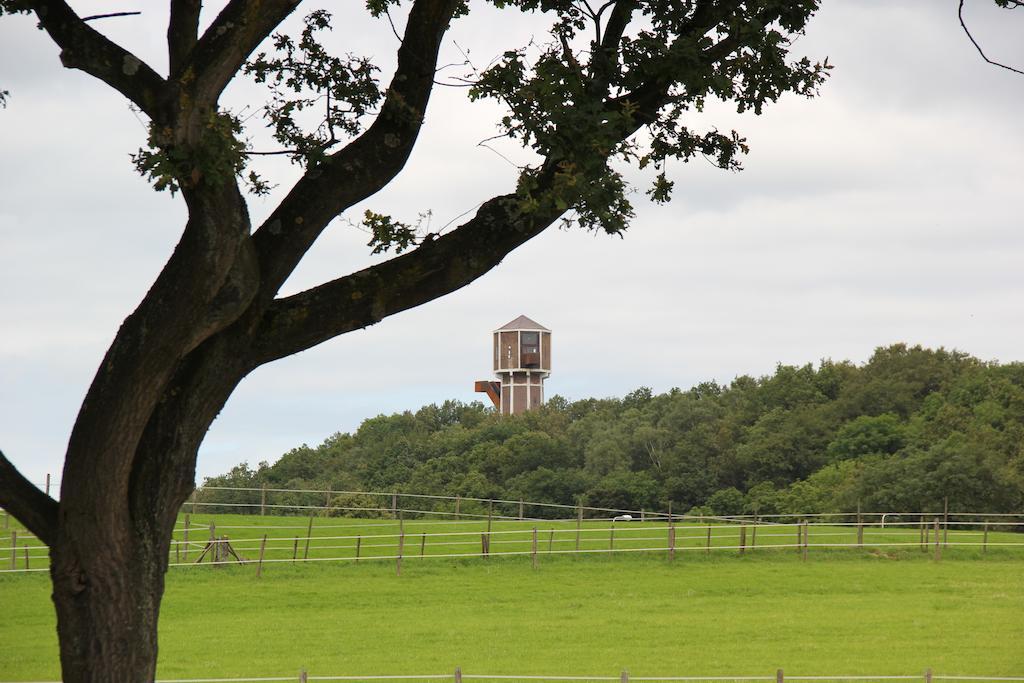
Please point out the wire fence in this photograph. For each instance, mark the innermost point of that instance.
(482, 528)
(203, 542)
(779, 676)
(388, 504)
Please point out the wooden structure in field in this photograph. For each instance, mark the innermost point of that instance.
(522, 361)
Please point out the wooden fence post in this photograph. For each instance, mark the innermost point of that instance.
(423, 543)
(195, 500)
(945, 522)
(551, 539)
(984, 540)
(807, 533)
(309, 535)
(263, 548)
(359, 543)
(624, 677)
(671, 542)
(753, 531)
(401, 547)
(490, 519)
(921, 533)
(295, 549)
(533, 552)
(611, 537)
(928, 675)
(263, 501)
(303, 676)
(860, 527)
(520, 509)
(185, 541)
(26, 556)
(799, 535)
(579, 523)
(779, 677)
(707, 549)
(458, 674)
(938, 546)
(458, 515)
(743, 538)
(394, 506)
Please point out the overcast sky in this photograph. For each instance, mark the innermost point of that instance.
(889, 209)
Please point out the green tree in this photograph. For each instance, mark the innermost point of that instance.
(727, 501)
(898, 378)
(785, 445)
(624, 490)
(620, 84)
(867, 435)
(546, 485)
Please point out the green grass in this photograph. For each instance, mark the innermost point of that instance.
(841, 612)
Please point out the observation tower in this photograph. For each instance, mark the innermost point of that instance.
(522, 361)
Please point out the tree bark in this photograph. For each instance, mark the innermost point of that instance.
(107, 587)
(108, 569)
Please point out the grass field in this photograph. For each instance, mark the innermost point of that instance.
(895, 611)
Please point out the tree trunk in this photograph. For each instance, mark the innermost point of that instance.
(110, 554)
(107, 587)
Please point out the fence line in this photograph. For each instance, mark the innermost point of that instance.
(779, 676)
(524, 553)
(724, 530)
(393, 494)
(394, 510)
(931, 537)
(196, 502)
(962, 530)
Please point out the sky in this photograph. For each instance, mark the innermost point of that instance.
(888, 209)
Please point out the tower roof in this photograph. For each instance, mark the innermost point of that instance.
(523, 323)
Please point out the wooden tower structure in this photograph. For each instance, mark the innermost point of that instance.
(522, 361)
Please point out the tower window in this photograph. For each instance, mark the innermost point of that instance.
(530, 351)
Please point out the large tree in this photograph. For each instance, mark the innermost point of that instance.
(615, 83)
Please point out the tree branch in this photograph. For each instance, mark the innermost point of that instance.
(603, 59)
(36, 510)
(182, 31)
(84, 48)
(240, 27)
(110, 15)
(433, 269)
(960, 14)
(366, 164)
(653, 94)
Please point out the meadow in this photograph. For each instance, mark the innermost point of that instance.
(873, 611)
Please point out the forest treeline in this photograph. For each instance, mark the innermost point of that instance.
(902, 432)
